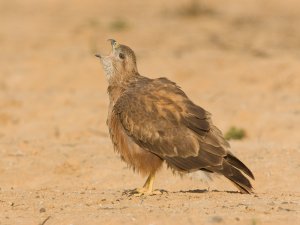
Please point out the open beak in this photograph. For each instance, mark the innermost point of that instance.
(112, 42)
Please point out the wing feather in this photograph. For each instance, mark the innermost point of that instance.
(159, 117)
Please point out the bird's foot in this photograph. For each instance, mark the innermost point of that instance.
(146, 192)
(138, 192)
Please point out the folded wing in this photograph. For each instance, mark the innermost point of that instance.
(158, 116)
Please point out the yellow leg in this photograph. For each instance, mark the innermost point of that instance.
(148, 186)
(147, 189)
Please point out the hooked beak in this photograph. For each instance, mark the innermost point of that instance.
(112, 42)
(98, 55)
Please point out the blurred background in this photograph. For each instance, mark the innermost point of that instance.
(237, 59)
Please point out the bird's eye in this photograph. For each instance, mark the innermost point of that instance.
(121, 56)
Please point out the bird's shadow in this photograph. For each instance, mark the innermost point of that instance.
(195, 191)
(131, 192)
(229, 192)
(201, 191)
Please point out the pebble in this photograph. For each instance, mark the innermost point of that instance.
(42, 210)
(216, 219)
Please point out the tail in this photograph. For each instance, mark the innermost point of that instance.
(231, 159)
(231, 169)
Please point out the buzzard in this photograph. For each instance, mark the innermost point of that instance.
(152, 121)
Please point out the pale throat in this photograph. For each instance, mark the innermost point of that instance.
(107, 67)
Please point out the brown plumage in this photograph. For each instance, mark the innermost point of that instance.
(152, 120)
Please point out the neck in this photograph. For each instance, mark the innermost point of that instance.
(118, 84)
(121, 79)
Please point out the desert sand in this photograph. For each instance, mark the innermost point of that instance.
(240, 60)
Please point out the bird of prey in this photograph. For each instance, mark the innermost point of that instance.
(152, 121)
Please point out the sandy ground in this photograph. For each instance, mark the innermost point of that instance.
(239, 60)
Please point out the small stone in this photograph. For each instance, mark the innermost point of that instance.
(42, 210)
(284, 209)
(216, 219)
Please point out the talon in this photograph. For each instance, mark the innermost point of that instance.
(157, 192)
(146, 190)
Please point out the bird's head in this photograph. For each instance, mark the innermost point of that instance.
(120, 63)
